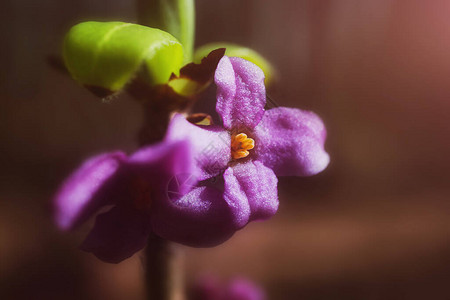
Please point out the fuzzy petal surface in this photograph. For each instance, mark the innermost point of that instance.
(210, 145)
(251, 190)
(118, 234)
(291, 142)
(159, 164)
(200, 218)
(90, 187)
(241, 94)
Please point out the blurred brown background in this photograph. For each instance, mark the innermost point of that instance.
(374, 225)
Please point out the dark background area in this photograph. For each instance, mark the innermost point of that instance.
(374, 225)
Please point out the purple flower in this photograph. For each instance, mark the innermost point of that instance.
(209, 288)
(239, 161)
(202, 183)
(135, 187)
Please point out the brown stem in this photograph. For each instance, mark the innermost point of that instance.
(163, 269)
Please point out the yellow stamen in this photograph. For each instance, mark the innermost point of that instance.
(240, 144)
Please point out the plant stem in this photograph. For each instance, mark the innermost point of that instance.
(163, 276)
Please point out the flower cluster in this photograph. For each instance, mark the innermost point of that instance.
(202, 183)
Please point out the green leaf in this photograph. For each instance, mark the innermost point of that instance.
(239, 51)
(104, 56)
(177, 17)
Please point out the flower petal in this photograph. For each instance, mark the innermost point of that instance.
(254, 184)
(244, 289)
(87, 189)
(241, 94)
(200, 218)
(210, 145)
(118, 234)
(291, 142)
(159, 163)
